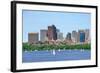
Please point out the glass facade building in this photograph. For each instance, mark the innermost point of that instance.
(68, 36)
(82, 37)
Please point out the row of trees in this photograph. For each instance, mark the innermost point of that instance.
(32, 47)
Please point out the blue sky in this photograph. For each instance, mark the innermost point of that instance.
(66, 22)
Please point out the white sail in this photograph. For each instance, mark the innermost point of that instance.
(59, 50)
(53, 52)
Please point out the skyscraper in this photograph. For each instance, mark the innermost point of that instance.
(68, 37)
(52, 33)
(33, 37)
(43, 35)
(81, 34)
(59, 35)
(74, 36)
(87, 35)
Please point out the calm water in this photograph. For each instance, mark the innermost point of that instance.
(42, 56)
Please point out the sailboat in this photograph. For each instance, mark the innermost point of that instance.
(53, 52)
(59, 50)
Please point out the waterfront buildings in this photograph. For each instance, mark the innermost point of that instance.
(82, 36)
(43, 35)
(33, 38)
(53, 35)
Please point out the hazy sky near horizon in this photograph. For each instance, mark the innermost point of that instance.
(34, 21)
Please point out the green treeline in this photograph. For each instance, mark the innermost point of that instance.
(32, 47)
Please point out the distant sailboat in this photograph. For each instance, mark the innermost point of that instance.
(36, 50)
(82, 50)
(59, 50)
(53, 52)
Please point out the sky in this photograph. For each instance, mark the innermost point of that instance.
(34, 21)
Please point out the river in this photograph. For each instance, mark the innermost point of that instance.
(55, 55)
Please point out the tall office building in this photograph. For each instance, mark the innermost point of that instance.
(68, 37)
(58, 31)
(33, 38)
(43, 35)
(81, 36)
(87, 35)
(52, 33)
(59, 35)
(74, 36)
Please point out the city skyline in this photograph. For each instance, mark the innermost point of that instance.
(33, 21)
(79, 36)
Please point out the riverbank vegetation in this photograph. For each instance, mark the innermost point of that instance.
(33, 47)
